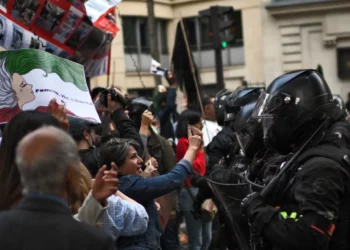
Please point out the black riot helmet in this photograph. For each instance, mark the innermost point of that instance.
(293, 107)
(238, 99)
(219, 105)
(249, 132)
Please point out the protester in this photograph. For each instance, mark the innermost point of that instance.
(91, 206)
(125, 126)
(159, 148)
(48, 163)
(144, 190)
(15, 130)
(122, 217)
(85, 137)
(211, 128)
(199, 232)
(166, 109)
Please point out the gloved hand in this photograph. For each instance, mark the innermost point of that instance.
(252, 205)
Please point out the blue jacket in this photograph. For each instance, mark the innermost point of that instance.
(144, 191)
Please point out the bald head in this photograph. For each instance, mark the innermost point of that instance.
(44, 158)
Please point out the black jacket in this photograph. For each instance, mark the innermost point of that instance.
(43, 224)
(159, 148)
(220, 147)
(310, 207)
(127, 129)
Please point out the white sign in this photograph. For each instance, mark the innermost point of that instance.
(31, 78)
(156, 68)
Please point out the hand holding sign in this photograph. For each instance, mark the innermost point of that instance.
(60, 113)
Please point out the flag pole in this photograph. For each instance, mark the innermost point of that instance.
(194, 74)
(191, 64)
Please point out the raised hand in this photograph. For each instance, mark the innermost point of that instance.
(105, 184)
(147, 118)
(194, 141)
(60, 113)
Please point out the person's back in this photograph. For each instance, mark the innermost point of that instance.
(47, 224)
(48, 163)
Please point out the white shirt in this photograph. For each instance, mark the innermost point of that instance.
(210, 130)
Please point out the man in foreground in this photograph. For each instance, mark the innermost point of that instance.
(49, 166)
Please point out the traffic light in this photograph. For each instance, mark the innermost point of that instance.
(221, 23)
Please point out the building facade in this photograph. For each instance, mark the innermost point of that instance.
(131, 59)
(307, 33)
(276, 36)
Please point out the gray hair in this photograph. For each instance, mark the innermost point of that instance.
(46, 173)
(8, 98)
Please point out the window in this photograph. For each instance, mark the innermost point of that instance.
(200, 39)
(343, 55)
(129, 29)
(137, 44)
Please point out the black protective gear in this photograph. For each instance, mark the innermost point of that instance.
(294, 106)
(223, 144)
(313, 200)
(219, 105)
(238, 99)
(341, 105)
(249, 131)
(252, 205)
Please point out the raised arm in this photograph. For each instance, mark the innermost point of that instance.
(142, 189)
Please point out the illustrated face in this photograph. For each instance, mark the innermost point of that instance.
(22, 89)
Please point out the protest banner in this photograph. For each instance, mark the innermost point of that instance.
(31, 78)
(64, 25)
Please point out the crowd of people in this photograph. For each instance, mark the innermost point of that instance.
(257, 169)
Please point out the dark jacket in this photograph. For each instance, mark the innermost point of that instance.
(310, 209)
(168, 116)
(127, 129)
(41, 224)
(159, 148)
(144, 191)
(220, 147)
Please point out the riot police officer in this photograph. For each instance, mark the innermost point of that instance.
(306, 206)
(227, 106)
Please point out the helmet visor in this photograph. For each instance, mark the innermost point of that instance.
(244, 139)
(263, 110)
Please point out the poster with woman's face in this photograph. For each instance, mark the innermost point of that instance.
(29, 79)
